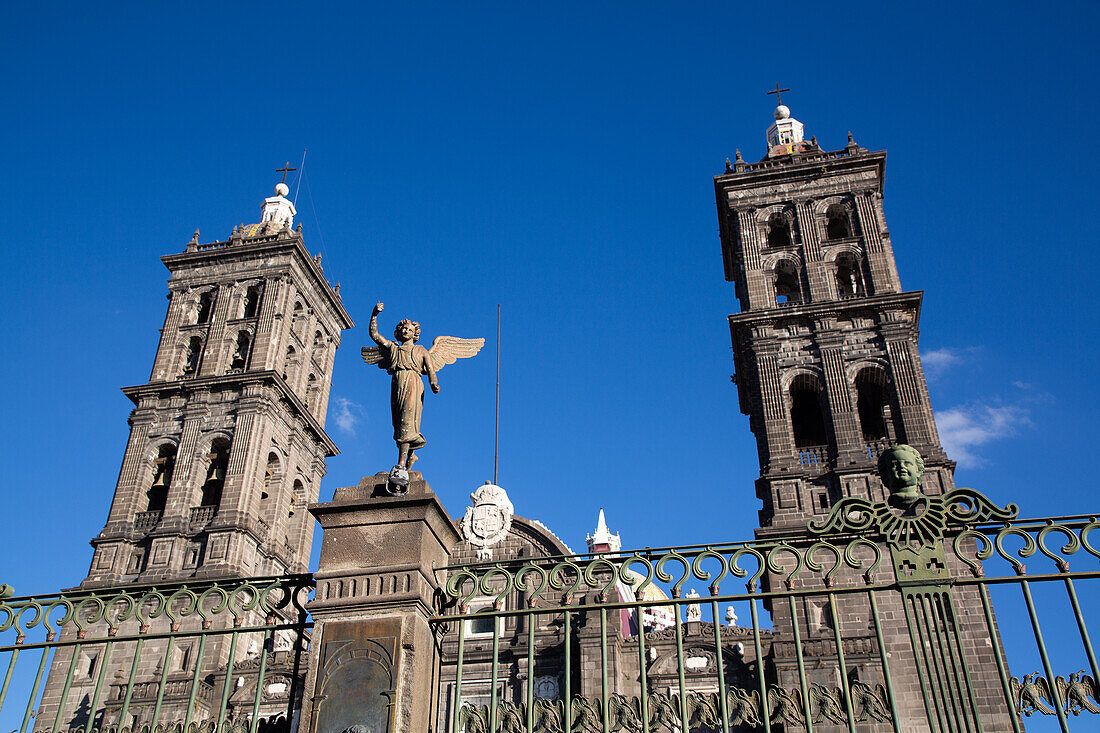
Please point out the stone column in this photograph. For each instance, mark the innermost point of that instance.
(373, 653)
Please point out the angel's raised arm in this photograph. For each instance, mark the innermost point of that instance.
(373, 329)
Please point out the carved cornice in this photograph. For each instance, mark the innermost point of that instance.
(245, 380)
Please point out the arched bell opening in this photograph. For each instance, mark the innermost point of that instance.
(838, 222)
(163, 466)
(779, 231)
(217, 467)
(849, 277)
(787, 283)
(808, 427)
(877, 411)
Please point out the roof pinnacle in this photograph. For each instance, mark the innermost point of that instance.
(602, 540)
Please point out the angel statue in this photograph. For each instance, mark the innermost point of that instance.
(407, 362)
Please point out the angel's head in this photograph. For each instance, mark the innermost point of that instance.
(407, 330)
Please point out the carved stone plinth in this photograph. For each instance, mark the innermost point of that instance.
(373, 657)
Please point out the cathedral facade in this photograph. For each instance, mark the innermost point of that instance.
(489, 622)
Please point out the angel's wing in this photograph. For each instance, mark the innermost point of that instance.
(372, 354)
(448, 349)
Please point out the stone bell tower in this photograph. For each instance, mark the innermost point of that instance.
(227, 440)
(825, 345)
(827, 369)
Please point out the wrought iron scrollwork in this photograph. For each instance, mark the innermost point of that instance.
(955, 509)
(263, 599)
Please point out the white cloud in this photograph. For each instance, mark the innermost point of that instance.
(964, 428)
(939, 359)
(347, 415)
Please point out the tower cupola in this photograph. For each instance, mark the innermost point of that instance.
(785, 133)
(278, 209)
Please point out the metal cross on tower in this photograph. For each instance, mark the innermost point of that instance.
(286, 166)
(778, 92)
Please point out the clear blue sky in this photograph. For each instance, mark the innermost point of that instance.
(556, 159)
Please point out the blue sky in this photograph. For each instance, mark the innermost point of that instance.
(557, 160)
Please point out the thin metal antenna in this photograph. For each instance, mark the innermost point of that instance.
(496, 430)
(301, 172)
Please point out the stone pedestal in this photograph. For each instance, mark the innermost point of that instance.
(373, 656)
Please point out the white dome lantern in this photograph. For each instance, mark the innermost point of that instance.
(785, 133)
(278, 208)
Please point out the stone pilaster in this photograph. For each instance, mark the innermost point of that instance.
(780, 444)
(915, 413)
(817, 271)
(884, 275)
(183, 494)
(757, 288)
(846, 431)
(169, 334)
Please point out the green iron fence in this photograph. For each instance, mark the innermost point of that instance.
(925, 617)
(195, 656)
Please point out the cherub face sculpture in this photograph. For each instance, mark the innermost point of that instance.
(407, 330)
(901, 468)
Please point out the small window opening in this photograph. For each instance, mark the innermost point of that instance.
(206, 303)
(807, 419)
(483, 625)
(164, 464)
(849, 280)
(90, 664)
(779, 231)
(291, 366)
(215, 474)
(251, 301)
(183, 658)
(240, 354)
(269, 476)
(838, 225)
(296, 319)
(194, 354)
(786, 281)
(298, 497)
(135, 561)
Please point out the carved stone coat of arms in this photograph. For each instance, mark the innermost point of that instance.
(487, 522)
